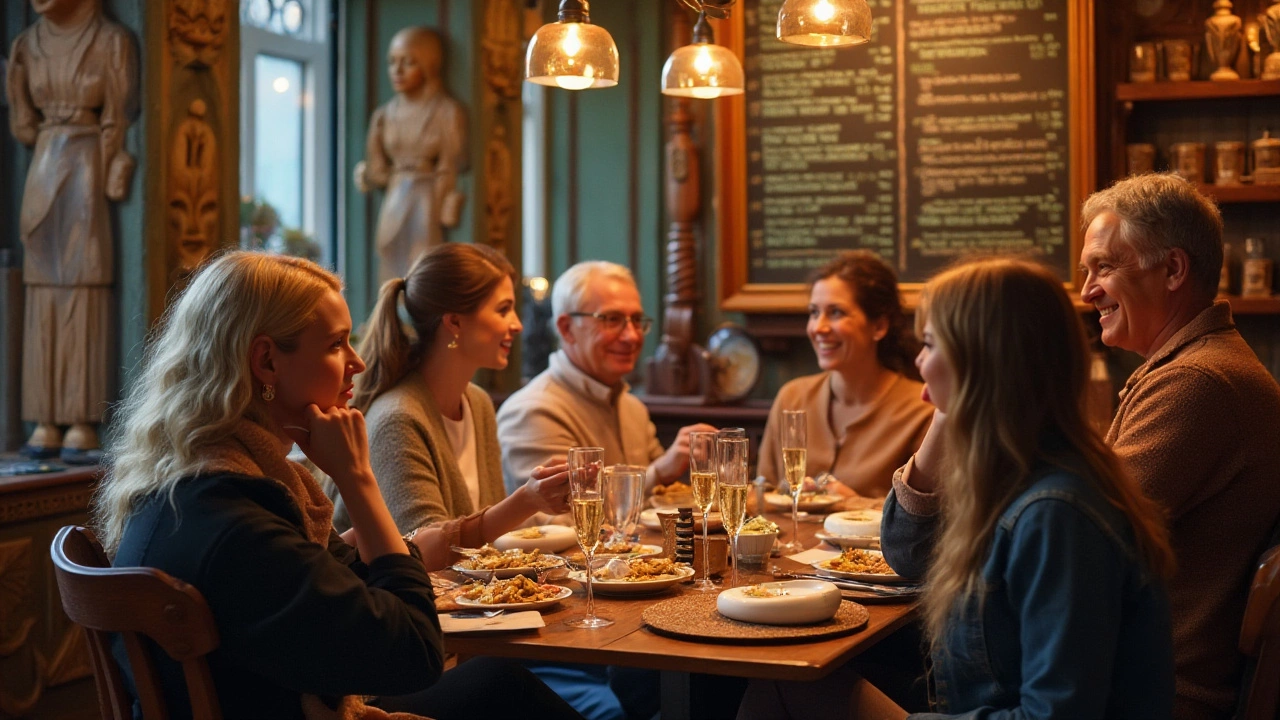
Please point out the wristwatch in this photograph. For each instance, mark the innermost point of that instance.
(414, 551)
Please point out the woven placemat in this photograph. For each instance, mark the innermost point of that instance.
(694, 617)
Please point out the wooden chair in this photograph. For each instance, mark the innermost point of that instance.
(133, 602)
(1260, 640)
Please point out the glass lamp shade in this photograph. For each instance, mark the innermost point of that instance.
(702, 70)
(824, 23)
(573, 56)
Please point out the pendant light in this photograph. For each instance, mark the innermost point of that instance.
(824, 23)
(572, 53)
(702, 70)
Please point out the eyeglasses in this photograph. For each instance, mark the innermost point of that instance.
(614, 322)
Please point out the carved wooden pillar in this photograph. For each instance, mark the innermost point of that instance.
(678, 367)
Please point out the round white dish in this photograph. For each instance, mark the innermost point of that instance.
(756, 544)
(553, 538)
(640, 551)
(797, 602)
(633, 587)
(538, 605)
(649, 518)
(864, 577)
(808, 503)
(553, 561)
(853, 523)
(866, 542)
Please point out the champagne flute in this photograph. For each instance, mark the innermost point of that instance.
(733, 491)
(795, 444)
(702, 479)
(623, 494)
(587, 504)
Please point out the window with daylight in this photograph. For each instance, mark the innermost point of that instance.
(286, 128)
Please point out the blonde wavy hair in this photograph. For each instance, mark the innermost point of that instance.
(194, 383)
(1021, 363)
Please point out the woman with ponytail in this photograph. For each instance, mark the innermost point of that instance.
(1044, 563)
(433, 439)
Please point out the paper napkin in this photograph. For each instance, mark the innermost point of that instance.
(524, 620)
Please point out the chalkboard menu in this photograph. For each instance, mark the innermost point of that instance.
(950, 132)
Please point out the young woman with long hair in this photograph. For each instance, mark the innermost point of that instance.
(1044, 563)
(864, 412)
(250, 359)
(433, 439)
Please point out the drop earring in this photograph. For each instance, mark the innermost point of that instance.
(453, 344)
(268, 392)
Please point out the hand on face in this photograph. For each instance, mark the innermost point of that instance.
(336, 443)
(550, 486)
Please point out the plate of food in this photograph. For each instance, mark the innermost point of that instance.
(649, 518)
(517, 593)
(503, 564)
(859, 564)
(809, 501)
(620, 549)
(868, 542)
(792, 602)
(637, 576)
(548, 538)
(675, 495)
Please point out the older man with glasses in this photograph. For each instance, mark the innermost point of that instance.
(582, 398)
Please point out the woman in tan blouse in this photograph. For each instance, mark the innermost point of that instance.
(865, 416)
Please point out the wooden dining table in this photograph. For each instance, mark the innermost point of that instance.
(629, 642)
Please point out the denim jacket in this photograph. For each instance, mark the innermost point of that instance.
(1073, 624)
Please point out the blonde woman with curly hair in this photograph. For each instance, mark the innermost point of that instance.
(253, 357)
(1045, 565)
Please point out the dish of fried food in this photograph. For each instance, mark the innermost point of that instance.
(505, 564)
(859, 564)
(637, 576)
(620, 548)
(517, 592)
(640, 569)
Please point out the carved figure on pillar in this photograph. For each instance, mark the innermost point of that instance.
(416, 147)
(71, 85)
(193, 190)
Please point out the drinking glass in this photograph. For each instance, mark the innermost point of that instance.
(587, 504)
(623, 494)
(795, 443)
(732, 482)
(702, 479)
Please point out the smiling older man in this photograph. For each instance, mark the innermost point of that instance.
(1199, 422)
(582, 397)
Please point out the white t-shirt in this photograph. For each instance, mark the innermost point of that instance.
(462, 436)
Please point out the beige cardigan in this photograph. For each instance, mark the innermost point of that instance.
(414, 462)
(1199, 428)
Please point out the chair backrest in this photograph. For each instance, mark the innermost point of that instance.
(135, 601)
(1260, 639)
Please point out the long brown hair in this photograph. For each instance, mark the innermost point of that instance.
(448, 278)
(1021, 363)
(875, 288)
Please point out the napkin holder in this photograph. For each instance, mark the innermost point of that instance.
(718, 545)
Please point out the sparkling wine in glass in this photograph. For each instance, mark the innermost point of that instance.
(795, 444)
(586, 501)
(623, 495)
(732, 479)
(702, 480)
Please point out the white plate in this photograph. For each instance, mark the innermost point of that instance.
(866, 542)
(539, 605)
(808, 503)
(633, 587)
(553, 539)
(864, 577)
(649, 518)
(504, 573)
(798, 602)
(853, 523)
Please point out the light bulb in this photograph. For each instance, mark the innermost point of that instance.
(574, 82)
(706, 93)
(280, 85)
(823, 10)
(571, 44)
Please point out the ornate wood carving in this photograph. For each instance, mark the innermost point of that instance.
(500, 54)
(197, 31)
(193, 189)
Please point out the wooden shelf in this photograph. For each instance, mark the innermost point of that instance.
(1269, 305)
(1196, 90)
(1242, 193)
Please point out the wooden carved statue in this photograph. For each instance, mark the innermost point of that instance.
(416, 148)
(197, 31)
(1222, 35)
(71, 84)
(193, 190)
(1270, 21)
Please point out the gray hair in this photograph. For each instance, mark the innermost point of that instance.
(1160, 212)
(572, 284)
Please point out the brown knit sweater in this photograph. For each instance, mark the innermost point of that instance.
(1199, 428)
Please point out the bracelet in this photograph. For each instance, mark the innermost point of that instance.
(414, 551)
